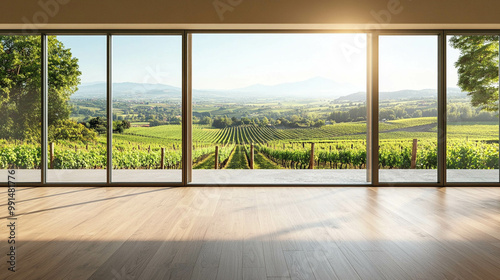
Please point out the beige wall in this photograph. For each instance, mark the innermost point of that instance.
(250, 13)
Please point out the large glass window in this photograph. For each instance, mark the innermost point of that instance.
(472, 109)
(20, 107)
(77, 109)
(267, 108)
(408, 108)
(147, 101)
(279, 108)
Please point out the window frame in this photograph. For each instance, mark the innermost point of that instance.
(372, 101)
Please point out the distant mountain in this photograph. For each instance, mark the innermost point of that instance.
(402, 95)
(128, 91)
(313, 88)
(317, 87)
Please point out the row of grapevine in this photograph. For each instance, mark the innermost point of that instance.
(29, 157)
(224, 154)
(287, 158)
(334, 154)
(254, 134)
(392, 154)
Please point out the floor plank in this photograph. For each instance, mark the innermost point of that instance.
(256, 233)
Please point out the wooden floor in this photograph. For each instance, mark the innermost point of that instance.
(255, 233)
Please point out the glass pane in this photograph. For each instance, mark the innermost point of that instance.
(408, 108)
(77, 109)
(20, 107)
(147, 100)
(472, 109)
(261, 101)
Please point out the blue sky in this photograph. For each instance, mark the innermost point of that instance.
(225, 61)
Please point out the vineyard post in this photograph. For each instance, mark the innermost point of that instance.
(76, 149)
(52, 155)
(414, 154)
(87, 147)
(162, 160)
(216, 157)
(251, 156)
(311, 160)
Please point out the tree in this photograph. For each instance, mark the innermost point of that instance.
(319, 123)
(70, 131)
(206, 120)
(20, 85)
(245, 120)
(98, 124)
(120, 126)
(222, 122)
(478, 69)
(264, 121)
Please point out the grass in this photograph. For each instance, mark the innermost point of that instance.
(208, 163)
(262, 162)
(238, 159)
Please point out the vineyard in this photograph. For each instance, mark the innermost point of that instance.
(337, 146)
(392, 155)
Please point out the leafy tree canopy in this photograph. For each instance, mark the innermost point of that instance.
(478, 69)
(70, 131)
(20, 85)
(120, 126)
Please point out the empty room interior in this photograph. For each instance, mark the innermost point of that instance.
(239, 140)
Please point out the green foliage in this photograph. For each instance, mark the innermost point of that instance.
(478, 69)
(98, 124)
(472, 155)
(133, 159)
(81, 159)
(206, 120)
(393, 154)
(291, 158)
(20, 85)
(461, 111)
(286, 148)
(397, 154)
(224, 153)
(352, 115)
(70, 131)
(20, 156)
(120, 126)
(222, 122)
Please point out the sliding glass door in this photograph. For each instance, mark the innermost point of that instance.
(472, 108)
(408, 94)
(20, 107)
(147, 101)
(279, 108)
(77, 128)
